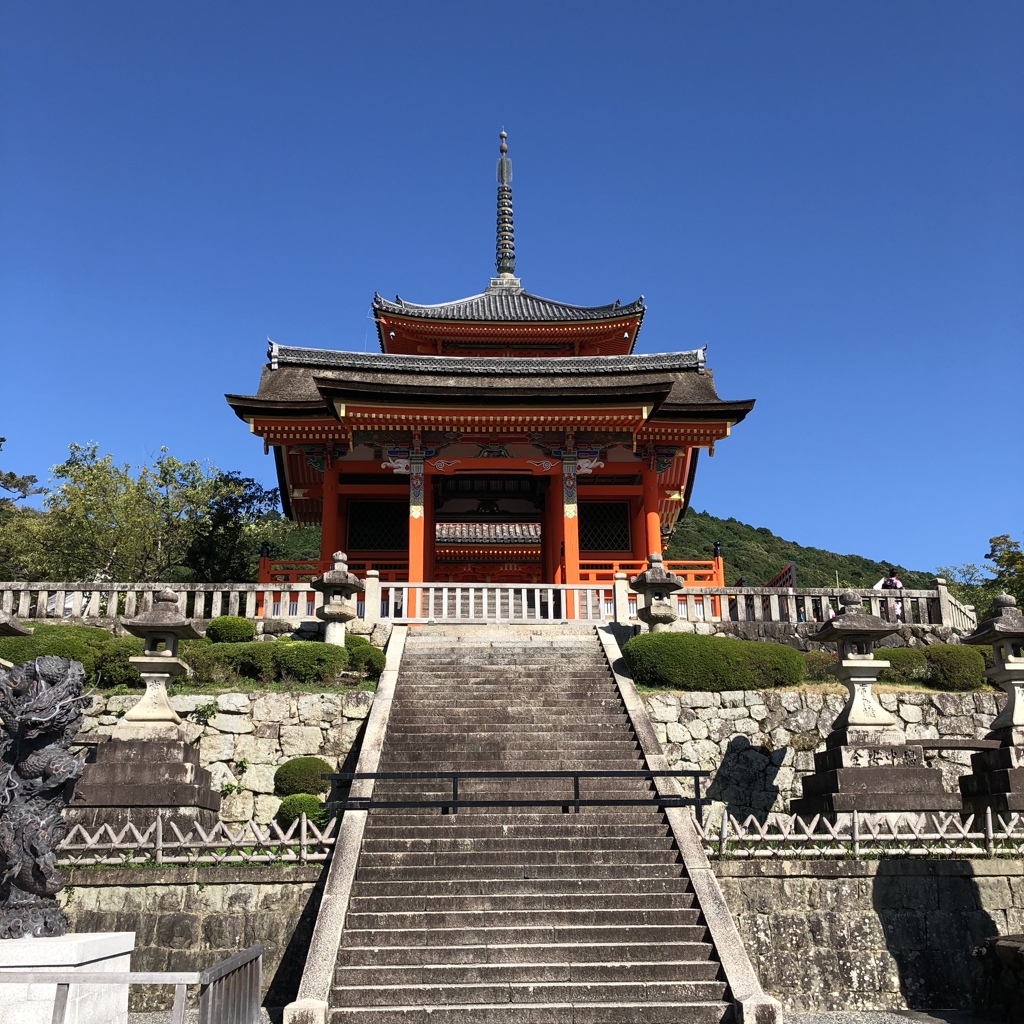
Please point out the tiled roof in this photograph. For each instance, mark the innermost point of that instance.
(508, 305)
(282, 355)
(488, 533)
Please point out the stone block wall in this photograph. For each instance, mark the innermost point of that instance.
(757, 744)
(188, 919)
(244, 737)
(873, 935)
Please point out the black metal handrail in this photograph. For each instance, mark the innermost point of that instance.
(452, 805)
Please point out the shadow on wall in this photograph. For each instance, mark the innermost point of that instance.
(931, 914)
(745, 780)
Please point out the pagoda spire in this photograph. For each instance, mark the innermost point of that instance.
(505, 259)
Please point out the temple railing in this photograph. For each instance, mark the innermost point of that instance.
(398, 602)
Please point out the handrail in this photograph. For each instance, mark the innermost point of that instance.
(230, 992)
(576, 801)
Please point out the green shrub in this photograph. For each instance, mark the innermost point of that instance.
(84, 644)
(302, 775)
(308, 662)
(683, 661)
(363, 656)
(112, 665)
(230, 629)
(208, 662)
(250, 660)
(906, 665)
(294, 806)
(954, 667)
(818, 663)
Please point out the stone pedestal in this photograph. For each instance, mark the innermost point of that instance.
(87, 1004)
(132, 780)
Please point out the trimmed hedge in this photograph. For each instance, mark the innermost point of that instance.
(949, 667)
(309, 662)
(684, 661)
(103, 657)
(818, 663)
(230, 629)
(302, 775)
(264, 661)
(363, 656)
(906, 665)
(294, 806)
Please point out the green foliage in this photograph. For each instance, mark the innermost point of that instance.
(204, 712)
(309, 662)
(112, 665)
(103, 656)
(1008, 564)
(363, 656)
(906, 665)
(252, 661)
(954, 667)
(293, 807)
(230, 629)
(818, 663)
(683, 661)
(757, 554)
(302, 775)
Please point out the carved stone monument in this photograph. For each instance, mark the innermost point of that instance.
(147, 767)
(997, 778)
(655, 586)
(867, 764)
(339, 588)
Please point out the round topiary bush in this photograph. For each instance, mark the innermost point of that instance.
(230, 629)
(302, 775)
(305, 662)
(363, 656)
(906, 665)
(684, 661)
(955, 668)
(293, 807)
(84, 644)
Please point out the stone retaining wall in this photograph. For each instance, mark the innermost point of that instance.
(758, 744)
(244, 737)
(873, 935)
(188, 919)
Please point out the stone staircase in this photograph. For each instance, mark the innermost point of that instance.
(519, 914)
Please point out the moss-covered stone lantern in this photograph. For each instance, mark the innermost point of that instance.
(339, 588)
(656, 587)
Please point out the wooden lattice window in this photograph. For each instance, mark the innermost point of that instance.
(604, 526)
(378, 526)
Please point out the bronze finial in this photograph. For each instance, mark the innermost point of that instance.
(505, 260)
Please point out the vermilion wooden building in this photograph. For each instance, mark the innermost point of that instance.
(497, 438)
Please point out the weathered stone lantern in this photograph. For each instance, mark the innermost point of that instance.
(997, 779)
(161, 628)
(656, 586)
(867, 764)
(339, 588)
(9, 626)
(147, 769)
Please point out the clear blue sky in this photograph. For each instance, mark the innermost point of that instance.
(830, 196)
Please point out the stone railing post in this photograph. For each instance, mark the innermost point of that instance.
(945, 609)
(371, 597)
(620, 599)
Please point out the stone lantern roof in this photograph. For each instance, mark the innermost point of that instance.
(852, 623)
(164, 617)
(9, 626)
(1007, 623)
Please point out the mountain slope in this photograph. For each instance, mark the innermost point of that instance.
(757, 554)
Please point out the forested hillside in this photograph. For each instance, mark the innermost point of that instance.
(757, 554)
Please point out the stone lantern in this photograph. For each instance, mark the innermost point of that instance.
(161, 628)
(656, 587)
(9, 626)
(997, 779)
(147, 769)
(339, 588)
(867, 764)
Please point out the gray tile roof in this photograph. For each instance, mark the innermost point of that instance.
(508, 305)
(488, 533)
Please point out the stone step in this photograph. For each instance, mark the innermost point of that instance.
(447, 974)
(490, 919)
(483, 817)
(547, 901)
(473, 857)
(512, 886)
(539, 1013)
(618, 991)
(522, 933)
(499, 953)
(428, 872)
(538, 844)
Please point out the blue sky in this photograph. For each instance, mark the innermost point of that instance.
(830, 196)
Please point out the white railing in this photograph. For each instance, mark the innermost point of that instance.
(478, 602)
(195, 600)
(861, 835)
(494, 602)
(164, 843)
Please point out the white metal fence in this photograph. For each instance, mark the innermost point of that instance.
(494, 602)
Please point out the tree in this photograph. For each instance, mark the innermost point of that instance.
(20, 486)
(1008, 561)
(170, 521)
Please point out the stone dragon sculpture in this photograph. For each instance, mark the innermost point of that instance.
(41, 708)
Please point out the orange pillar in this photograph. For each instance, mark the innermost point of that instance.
(552, 537)
(652, 518)
(417, 523)
(329, 539)
(570, 520)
